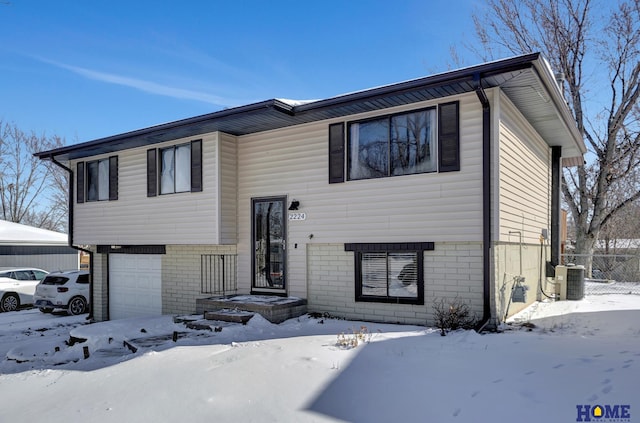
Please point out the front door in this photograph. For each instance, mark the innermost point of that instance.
(269, 244)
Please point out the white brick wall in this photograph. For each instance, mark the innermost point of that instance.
(451, 270)
(181, 276)
(454, 270)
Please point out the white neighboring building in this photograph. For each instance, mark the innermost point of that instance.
(26, 246)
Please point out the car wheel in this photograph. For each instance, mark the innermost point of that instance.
(46, 310)
(77, 305)
(10, 302)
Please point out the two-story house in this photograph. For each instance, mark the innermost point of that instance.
(369, 205)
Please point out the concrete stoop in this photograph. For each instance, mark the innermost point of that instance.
(228, 315)
(240, 308)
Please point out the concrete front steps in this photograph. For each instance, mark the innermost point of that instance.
(240, 308)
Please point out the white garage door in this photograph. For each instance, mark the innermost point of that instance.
(135, 285)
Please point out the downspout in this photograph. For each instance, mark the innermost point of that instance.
(90, 253)
(486, 202)
(556, 179)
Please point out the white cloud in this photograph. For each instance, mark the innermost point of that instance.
(144, 85)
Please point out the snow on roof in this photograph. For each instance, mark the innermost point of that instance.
(294, 103)
(17, 234)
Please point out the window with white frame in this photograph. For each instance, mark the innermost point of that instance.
(175, 169)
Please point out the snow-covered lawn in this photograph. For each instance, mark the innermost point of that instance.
(580, 353)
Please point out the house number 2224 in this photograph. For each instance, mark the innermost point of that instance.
(297, 216)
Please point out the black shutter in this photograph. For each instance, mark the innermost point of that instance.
(152, 173)
(448, 137)
(196, 166)
(80, 182)
(113, 178)
(336, 153)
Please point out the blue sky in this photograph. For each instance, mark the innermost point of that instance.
(89, 69)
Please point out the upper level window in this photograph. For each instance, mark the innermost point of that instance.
(393, 145)
(419, 141)
(97, 180)
(175, 169)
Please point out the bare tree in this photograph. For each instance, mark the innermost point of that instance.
(32, 191)
(620, 233)
(596, 48)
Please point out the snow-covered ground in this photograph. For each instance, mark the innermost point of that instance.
(562, 355)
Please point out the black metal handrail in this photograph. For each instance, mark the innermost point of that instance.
(218, 274)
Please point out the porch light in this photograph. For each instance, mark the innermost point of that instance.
(294, 205)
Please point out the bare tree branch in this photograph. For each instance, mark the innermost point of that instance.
(32, 191)
(600, 60)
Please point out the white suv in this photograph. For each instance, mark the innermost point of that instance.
(67, 290)
(17, 285)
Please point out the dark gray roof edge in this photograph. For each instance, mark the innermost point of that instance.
(166, 126)
(484, 69)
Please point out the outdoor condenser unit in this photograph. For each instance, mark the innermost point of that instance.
(575, 282)
(569, 282)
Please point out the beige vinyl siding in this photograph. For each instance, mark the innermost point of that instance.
(523, 197)
(134, 218)
(228, 177)
(424, 207)
(524, 178)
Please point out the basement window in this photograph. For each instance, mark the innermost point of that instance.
(390, 272)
